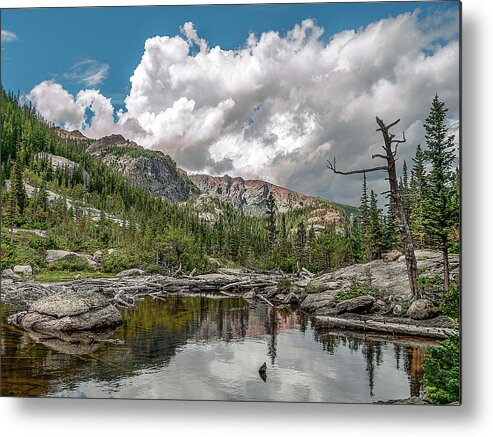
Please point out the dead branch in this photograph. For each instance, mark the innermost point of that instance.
(332, 167)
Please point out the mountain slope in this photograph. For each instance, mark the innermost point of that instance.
(251, 196)
(152, 170)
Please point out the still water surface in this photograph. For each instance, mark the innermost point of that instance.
(204, 348)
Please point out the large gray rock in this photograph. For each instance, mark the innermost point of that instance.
(319, 303)
(130, 272)
(68, 311)
(389, 278)
(421, 309)
(55, 255)
(360, 304)
(9, 273)
(23, 270)
(98, 256)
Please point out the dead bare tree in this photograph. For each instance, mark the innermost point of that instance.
(390, 148)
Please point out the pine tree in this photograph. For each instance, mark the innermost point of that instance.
(10, 214)
(300, 241)
(364, 211)
(17, 187)
(439, 182)
(375, 226)
(404, 191)
(271, 219)
(417, 216)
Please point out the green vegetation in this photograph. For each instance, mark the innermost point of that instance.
(284, 286)
(97, 208)
(357, 288)
(441, 367)
(71, 263)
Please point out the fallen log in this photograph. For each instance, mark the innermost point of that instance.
(265, 300)
(391, 328)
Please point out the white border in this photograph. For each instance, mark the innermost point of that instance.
(76, 418)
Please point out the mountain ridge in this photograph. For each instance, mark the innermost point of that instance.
(158, 173)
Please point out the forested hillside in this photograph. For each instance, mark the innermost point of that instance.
(89, 206)
(82, 204)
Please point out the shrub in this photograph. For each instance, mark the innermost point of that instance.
(23, 255)
(450, 303)
(356, 288)
(71, 263)
(152, 268)
(441, 377)
(118, 261)
(284, 286)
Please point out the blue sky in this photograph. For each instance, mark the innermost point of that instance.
(274, 106)
(52, 40)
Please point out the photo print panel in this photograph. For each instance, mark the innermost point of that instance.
(245, 202)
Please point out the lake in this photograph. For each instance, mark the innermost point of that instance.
(211, 349)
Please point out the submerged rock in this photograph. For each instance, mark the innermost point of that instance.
(421, 309)
(68, 312)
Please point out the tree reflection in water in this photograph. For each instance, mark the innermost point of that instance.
(157, 331)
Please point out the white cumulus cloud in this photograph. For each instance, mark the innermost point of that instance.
(281, 105)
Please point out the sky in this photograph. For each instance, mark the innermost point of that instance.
(258, 91)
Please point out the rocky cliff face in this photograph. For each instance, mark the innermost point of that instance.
(251, 195)
(152, 170)
(158, 173)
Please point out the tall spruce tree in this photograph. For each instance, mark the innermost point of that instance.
(439, 182)
(376, 231)
(364, 212)
(270, 213)
(417, 216)
(17, 187)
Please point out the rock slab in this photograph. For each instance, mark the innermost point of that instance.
(68, 311)
(360, 304)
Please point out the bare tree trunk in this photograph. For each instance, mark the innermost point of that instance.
(404, 231)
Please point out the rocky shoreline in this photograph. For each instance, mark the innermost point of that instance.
(318, 296)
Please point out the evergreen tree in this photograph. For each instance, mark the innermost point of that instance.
(271, 219)
(10, 214)
(404, 191)
(439, 182)
(300, 241)
(364, 211)
(375, 225)
(17, 187)
(417, 216)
